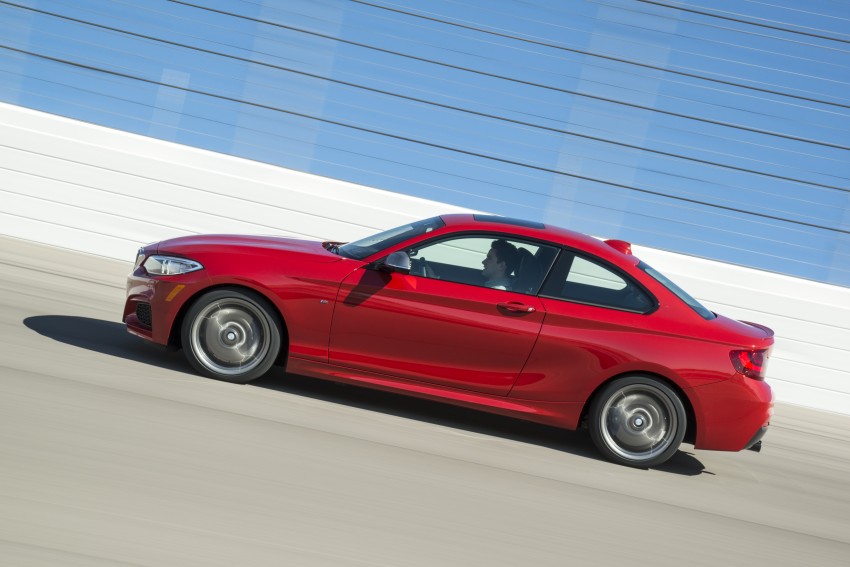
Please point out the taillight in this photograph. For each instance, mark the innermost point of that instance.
(750, 363)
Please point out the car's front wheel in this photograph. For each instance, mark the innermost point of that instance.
(637, 421)
(231, 335)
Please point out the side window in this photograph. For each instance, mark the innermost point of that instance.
(583, 280)
(592, 275)
(492, 261)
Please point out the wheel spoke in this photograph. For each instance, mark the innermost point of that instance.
(638, 422)
(230, 336)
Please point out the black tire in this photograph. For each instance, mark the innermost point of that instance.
(231, 335)
(637, 421)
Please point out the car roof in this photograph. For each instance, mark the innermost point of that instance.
(539, 231)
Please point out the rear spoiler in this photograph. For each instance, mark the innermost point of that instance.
(620, 246)
(768, 332)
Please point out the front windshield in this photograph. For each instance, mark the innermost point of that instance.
(679, 292)
(372, 244)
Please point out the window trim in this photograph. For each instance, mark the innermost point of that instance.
(563, 264)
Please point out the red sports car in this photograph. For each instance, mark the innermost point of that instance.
(504, 315)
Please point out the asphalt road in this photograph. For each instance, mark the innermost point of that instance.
(113, 452)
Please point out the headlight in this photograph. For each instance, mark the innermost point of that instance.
(170, 266)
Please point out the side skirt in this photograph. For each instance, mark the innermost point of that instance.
(558, 414)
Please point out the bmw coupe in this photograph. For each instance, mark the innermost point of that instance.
(504, 315)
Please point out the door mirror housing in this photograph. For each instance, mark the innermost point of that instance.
(397, 262)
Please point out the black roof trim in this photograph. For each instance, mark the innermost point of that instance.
(509, 220)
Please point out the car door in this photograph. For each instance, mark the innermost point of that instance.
(598, 319)
(441, 325)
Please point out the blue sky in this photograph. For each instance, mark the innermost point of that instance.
(718, 129)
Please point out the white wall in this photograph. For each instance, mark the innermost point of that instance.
(106, 192)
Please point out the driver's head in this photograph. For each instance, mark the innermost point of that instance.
(500, 260)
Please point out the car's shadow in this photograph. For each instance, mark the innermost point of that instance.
(111, 338)
(105, 337)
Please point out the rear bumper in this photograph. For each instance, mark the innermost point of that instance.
(755, 442)
(732, 415)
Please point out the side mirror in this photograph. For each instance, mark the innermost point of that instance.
(397, 262)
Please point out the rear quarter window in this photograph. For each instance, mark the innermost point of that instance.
(589, 281)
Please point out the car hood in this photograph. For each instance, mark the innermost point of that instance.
(202, 245)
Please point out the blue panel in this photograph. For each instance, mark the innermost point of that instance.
(720, 130)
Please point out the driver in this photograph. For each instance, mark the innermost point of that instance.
(500, 261)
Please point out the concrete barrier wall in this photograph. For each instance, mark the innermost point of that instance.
(106, 192)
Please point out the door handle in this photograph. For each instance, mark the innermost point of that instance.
(516, 307)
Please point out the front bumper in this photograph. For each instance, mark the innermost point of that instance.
(154, 302)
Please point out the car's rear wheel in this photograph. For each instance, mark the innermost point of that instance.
(231, 335)
(637, 421)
